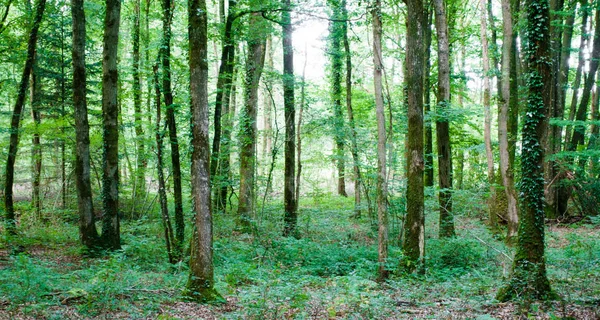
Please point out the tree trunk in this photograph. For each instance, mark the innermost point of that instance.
(382, 240)
(87, 227)
(11, 225)
(289, 197)
(505, 168)
(200, 286)
(442, 126)
(299, 132)
(414, 241)
(142, 162)
(268, 107)
(225, 154)
(529, 280)
(427, 102)
(110, 177)
(172, 124)
(336, 53)
(162, 193)
(254, 66)
(36, 149)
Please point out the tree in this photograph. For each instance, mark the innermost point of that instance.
(382, 237)
(442, 125)
(336, 55)
(172, 124)
(142, 162)
(289, 196)
(254, 65)
(529, 278)
(505, 165)
(11, 225)
(87, 227)
(200, 285)
(111, 237)
(413, 246)
(36, 150)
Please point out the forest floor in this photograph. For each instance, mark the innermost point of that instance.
(328, 273)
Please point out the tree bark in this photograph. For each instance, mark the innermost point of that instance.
(529, 280)
(225, 154)
(254, 66)
(289, 197)
(11, 225)
(36, 149)
(110, 111)
(505, 167)
(142, 162)
(382, 223)
(413, 246)
(167, 7)
(442, 125)
(299, 132)
(427, 102)
(200, 286)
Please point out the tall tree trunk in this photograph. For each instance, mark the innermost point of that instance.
(11, 225)
(505, 168)
(427, 102)
(335, 30)
(225, 154)
(162, 193)
(87, 222)
(414, 225)
(111, 237)
(267, 134)
(172, 124)
(529, 278)
(350, 111)
(142, 162)
(254, 66)
(488, 118)
(299, 129)
(36, 149)
(382, 239)
(289, 197)
(442, 126)
(200, 286)
(223, 88)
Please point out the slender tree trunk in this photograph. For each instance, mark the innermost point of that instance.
(162, 193)
(488, 118)
(382, 218)
(223, 88)
(350, 111)
(200, 286)
(172, 124)
(335, 29)
(427, 102)
(36, 150)
(442, 126)
(299, 132)
(268, 107)
(529, 280)
(505, 168)
(414, 241)
(11, 225)
(289, 197)
(254, 65)
(87, 227)
(225, 154)
(5, 15)
(110, 177)
(142, 162)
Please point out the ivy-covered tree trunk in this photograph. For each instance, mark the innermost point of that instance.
(336, 56)
(442, 125)
(503, 115)
(172, 124)
(289, 197)
(11, 225)
(200, 285)
(413, 246)
(111, 237)
(87, 222)
(254, 66)
(36, 148)
(142, 161)
(382, 223)
(529, 278)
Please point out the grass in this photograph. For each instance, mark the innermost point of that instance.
(329, 273)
